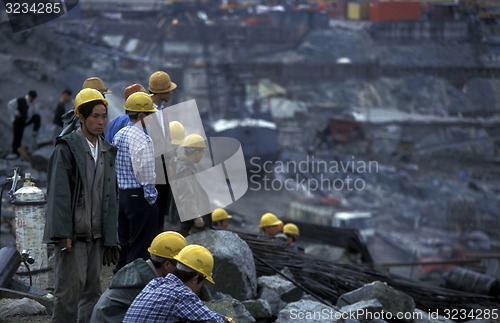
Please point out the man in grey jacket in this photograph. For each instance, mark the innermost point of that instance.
(128, 282)
(82, 210)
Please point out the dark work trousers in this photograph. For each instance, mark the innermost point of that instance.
(163, 201)
(77, 281)
(18, 127)
(137, 226)
(173, 213)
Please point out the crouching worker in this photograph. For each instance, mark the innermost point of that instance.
(292, 234)
(220, 219)
(271, 227)
(173, 298)
(127, 283)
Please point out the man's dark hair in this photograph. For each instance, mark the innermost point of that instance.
(32, 94)
(86, 109)
(133, 116)
(185, 276)
(158, 264)
(68, 92)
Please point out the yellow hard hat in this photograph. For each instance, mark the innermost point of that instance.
(291, 228)
(177, 132)
(159, 82)
(219, 215)
(194, 141)
(96, 84)
(197, 258)
(167, 244)
(140, 102)
(88, 95)
(269, 220)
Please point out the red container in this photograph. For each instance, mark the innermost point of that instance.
(394, 10)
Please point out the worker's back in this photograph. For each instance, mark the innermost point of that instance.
(125, 285)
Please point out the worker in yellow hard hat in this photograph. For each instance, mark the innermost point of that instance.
(138, 212)
(177, 135)
(69, 119)
(291, 231)
(270, 226)
(220, 219)
(82, 209)
(173, 298)
(121, 121)
(194, 204)
(127, 283)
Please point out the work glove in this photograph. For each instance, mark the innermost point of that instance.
(111, 255)
(199, 223)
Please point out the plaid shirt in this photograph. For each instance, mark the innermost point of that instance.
(167, 299)
(135, 167)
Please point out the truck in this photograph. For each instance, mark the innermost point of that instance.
(332, 215)
(359, 220)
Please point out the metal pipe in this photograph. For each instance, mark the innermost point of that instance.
(433, 262)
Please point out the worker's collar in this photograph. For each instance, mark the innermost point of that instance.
(150, 263)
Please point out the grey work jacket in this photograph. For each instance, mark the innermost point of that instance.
(65, 192)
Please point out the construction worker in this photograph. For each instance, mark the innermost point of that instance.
(65, 104)
(177, 135)
(97, 84)
(160, 88)
(172, 298)
(70, 120)
(23, 111)
(270, 226)
(138, 213)
(291, 232)
(193, 198)
(123, 120)
(127, 283)
(82, 210)
(220, 219)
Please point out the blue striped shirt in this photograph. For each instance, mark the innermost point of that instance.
(168, 299)
(135, 161)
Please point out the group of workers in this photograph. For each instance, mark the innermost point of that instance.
(162, 288)
(273, 228)
(105, 206)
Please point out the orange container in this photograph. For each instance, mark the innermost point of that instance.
(394, 10)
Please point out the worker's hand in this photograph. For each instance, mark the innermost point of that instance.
(199, 223)
(65, 244)
(229, 319)
(111, 255)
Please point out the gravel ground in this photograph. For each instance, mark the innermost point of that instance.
(106, 274)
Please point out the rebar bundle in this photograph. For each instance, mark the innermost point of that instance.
(327, 281)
